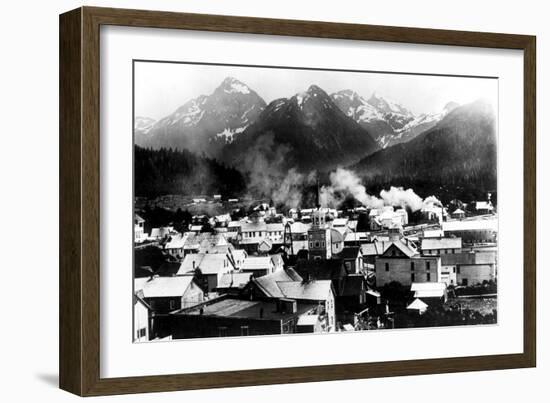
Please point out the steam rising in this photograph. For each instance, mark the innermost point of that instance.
(268, 176)
(344, 182)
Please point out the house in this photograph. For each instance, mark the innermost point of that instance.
(160, 233)
(201, 243)
(353, 238)
(337, 238)
(353, 259)
(369, 252)
(387, 217)
(211, 265)
(473, 231)
(484, 207)
(401, 262)
(287, 284)
(352, 297)
(141, 318)
(278, 263)
(458, 214)
(469, 268)
(258, 265)
(440, 246)
(227, 316)
(139, 232)
(418, 306)
(175, 245)
(431, 293)
(165, 294)
(432, 212)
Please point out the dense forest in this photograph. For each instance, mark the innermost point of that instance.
(169, 171)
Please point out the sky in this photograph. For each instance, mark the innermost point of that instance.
(160, 88)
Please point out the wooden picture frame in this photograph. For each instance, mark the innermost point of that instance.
(79, 348)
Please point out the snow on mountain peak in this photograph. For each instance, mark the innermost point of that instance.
(231, 85)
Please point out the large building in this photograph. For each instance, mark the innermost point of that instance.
(319, 240)
(401, 262)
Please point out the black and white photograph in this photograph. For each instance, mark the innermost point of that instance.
(273, 200)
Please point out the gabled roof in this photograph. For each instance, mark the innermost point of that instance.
(458, 211)
(268, 284)
(166, 286)
(317, 290)
(372, 249)
(441, 243)
(418, 305)
(208, 263)
(138, 218)
(257, 263)
(402, 247)
(176, 242)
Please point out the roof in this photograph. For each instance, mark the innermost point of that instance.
(272, 227)
(357, 236)
(257, 263)
(469, 258)
(458, 211)
(428, 290)
(138, 218)
(176, 242)
(316, 290)
(299, 227)
(277, 259)
(340, 222)
(441, 243)
(418, 304)
(237, 308)
(404, 248)
(268, 284)
(350, 252)
(234, 280)
(484, 205)
(194, 241)
(372, 249)
(208, 263)
(166, 286)
(477, 224)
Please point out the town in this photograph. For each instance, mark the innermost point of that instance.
(253, 271)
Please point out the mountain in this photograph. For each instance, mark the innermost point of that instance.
(388, 122)
(207, 123)
(307, 131)
(142, 127)
(458, 153)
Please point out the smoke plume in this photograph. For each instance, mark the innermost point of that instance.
(344, 182)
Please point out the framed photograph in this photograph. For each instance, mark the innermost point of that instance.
(249, 201)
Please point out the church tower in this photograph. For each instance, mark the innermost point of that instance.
(319, 246)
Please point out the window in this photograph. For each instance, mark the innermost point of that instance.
(222, 331)
(311, 245)
(427, 265)
(464, 281)
(458, 270)
(412, 277)
(323, 244)
(412, 266)
(316, 244)
(454, 269)
(172, 304)
(387, 266)
(244, 331)
(142, 332)
(428, 277)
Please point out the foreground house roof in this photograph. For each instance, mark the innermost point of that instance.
(166, 286)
